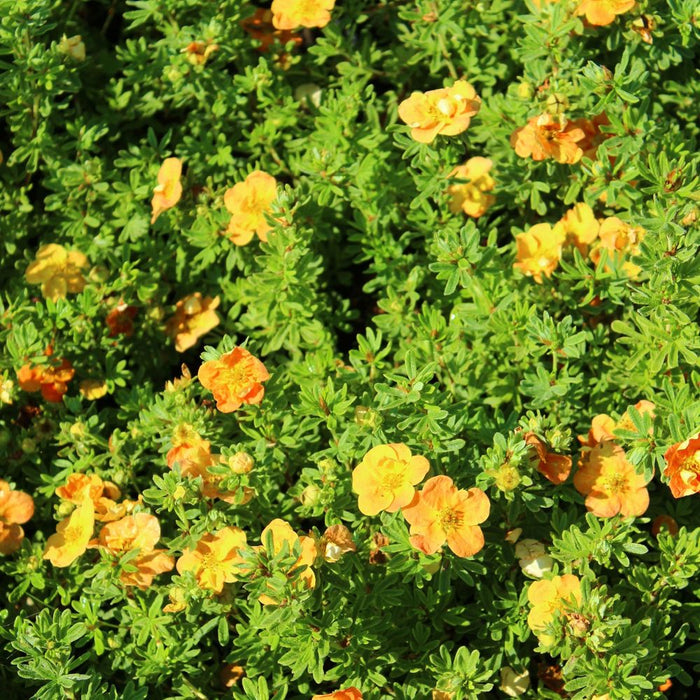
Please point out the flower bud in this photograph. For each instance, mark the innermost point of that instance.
(310, 496)
(28, 446)
(308, 93)
(507, 477)
(241, 463)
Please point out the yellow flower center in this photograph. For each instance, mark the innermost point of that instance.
(691, 463)
(616, 483)
(450, 519)
(394, 476)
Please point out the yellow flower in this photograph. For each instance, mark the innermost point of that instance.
(514, 684)
(290, 14)
(548, 597)
(197, 52)
(470, 197)
(620, 239)
(6, 388)
(581, 226)
(539, 250)
(72, 535)
(602, 12)
(248, 202)
(385, 478)
(93, 389)
(194, 317)
(214, 559)
(57, 271)
(169, 189)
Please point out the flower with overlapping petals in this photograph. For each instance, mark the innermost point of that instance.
(442, 513)
(471, 197)
(351, 693)
(385, 478)
(234, 379)
(290, 14)
(194, 317)
(539, 250)
(683, 467)
(447, 111)
(549, 597)
(547, 136)
(248, 202)
(58, 271)
(215, 559)
(603, 12)
(72, 535)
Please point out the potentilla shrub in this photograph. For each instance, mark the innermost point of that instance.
(349, 349)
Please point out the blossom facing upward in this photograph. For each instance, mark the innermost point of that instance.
(472, 197)
(102, 494)
(610, 483)
(548, 597)
(194, 317)
(603, 12)
(351, 693)
(683, 467)
(140, 531)
(58, 271)
(282, 533)
(539, 250)
(447, 111)
(290, 14)
(234, 379)
(385, 478)
(51, 379)
(442, 513)
(72, 535)
(547, 136)
(248, 202)
(554, 467)
(213, 561)
(16, 508)
(168, 191)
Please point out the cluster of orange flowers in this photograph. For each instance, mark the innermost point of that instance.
(540, 248)
(16, 508)
(93, 500)
(439, 514)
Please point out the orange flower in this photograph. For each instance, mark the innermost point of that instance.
(16, 508)
(554, 467)
(72, 535)
(441, 512)
(234, 379)
(539, 250)
(140, 531)
(610, 483)
(282, 533)
(194, 317)
(620, 239)
(52, 379)
(549, 597)
(470, 197)
(581, 226)
(547, 136)
(602, 427)
(643, 407)
(290, 14)
(169, 189)
(214, 559)
(259, 26)
(683, 467)
(58, 271)
(385, 478)
(445, 111)
(248, 202)
(602, 12)
(351, 693)
(197, 52)
(120, 320)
